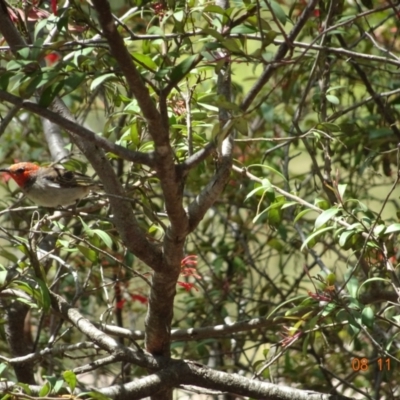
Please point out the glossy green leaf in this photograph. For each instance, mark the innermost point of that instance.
(314, 236)
(101, 79)
(301, 214)
(324, 217)
(345, 236)
(105, 237)
(45, 390)
(145, 60)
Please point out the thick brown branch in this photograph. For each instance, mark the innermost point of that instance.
(158, 132)
(171, 182)
(98, 337)
(187, 373)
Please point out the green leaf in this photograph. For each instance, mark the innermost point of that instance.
(70, 379)
(269, 168)
(345, 236)
(90, 254)
(24, 53)
(145, 60)
(96, 395)
(25, 388)
(325, 217)
(214, 9)
(45, 295)
(368, 281)
(57, 385)
(321, 203)
(3, 366)
(274, 217)
(38, 27)
(289, 301)
(101, 79)
(5, 79)
(243, 29)
(380, 230)
(331, 279)
(241, 125)
(329, 126)
(260, 189)
(276, 244)
(328, 309)
(367, 317)
(45, 390)
(301, 214)
(278, 11)
(342, 190)
(74, 80)
(105, 237)
(392, 228)
(3, 277)
(183, 68)
(24, 286)
(332, 99)
(179, 15)
(315, 235)
(289, 204)
(231, 45)
(352, 284)
(50, 93)
(214, 33)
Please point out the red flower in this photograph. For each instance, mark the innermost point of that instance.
(52, 58)
(187, 286)
(189, 260)
(140, 298)
(53, 5)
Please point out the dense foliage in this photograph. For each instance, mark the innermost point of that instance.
(246, 242)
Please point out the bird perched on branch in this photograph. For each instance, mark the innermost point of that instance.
(50, 186)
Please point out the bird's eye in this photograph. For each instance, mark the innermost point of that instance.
(20, 170)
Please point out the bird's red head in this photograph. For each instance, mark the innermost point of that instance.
(21, 172)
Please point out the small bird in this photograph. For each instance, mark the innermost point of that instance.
(50, 186)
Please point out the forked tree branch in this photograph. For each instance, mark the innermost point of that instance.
(172, 373)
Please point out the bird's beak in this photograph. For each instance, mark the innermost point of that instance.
(4, 170)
